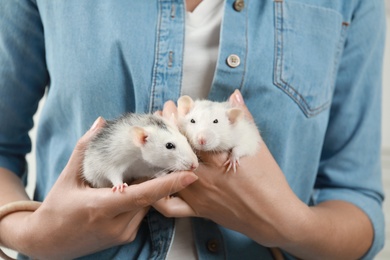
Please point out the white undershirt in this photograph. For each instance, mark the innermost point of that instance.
(201, 48)
(200, 58)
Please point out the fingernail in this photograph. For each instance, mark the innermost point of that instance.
(95, 124)
(238, 97)
(187, 180)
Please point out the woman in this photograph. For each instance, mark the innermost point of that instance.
(310, 75)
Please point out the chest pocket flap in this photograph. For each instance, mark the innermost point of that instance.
(308, 42)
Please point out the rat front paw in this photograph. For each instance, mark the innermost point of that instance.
(232, 162)
(119, 187)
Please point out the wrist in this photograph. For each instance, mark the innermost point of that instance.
(283, 224)
(14, 224)
(297, 227)
(13, 230)
(293, 225)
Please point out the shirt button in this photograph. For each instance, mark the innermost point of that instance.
(233, 61)
(213, 246)
(239, 5)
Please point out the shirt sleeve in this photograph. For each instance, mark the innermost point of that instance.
(23, 78)
(350, 167)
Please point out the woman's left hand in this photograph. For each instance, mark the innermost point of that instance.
(256, 200)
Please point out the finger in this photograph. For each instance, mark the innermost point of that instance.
(169, 109)
(132, 224)
(75, 162)
(174, 207)
(146, 193)
(77, 155)
(215, 159)
(237, 100)
(158, 113)
(135, 223)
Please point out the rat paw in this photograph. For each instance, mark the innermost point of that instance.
(232, 162)
(119, 187)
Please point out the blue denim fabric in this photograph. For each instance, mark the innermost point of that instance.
(310, 73)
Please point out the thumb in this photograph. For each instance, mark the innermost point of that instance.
(86, 138)
(148, 192)
(76, 159)
(236, 100)
(174, 207)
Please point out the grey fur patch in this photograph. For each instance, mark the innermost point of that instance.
(129, 119)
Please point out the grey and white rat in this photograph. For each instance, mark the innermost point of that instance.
(217, 126)
(136, 146)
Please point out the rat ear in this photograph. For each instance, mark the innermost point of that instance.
(184, 105)
(234, 114)
(140, 136)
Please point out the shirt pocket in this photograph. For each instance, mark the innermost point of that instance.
(308, 41)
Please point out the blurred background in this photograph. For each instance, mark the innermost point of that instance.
(385, 253)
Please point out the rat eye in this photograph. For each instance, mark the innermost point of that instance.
(215, 121)
(170, 146)
(193, 121)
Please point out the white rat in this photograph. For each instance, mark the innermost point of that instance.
(136, 146)
(217, 126)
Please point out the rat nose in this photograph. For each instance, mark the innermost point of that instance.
(194, 166)
(202, 141)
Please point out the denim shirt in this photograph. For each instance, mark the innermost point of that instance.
(309, 71)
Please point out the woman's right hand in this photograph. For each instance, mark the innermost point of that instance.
(76, 220)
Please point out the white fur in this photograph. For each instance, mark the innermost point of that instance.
(114, 157)
(239, 136)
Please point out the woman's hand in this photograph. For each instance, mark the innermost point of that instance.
(76, 219)
(258, 202)
(257, 194)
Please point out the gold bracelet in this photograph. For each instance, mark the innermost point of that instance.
(16, 206)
